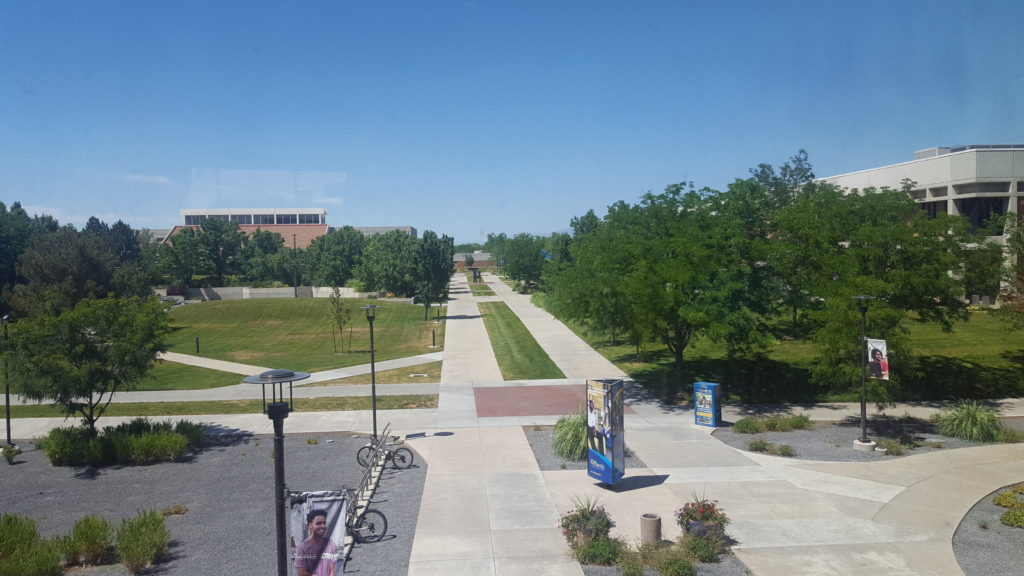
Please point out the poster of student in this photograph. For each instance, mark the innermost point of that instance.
(317, 523)
(606, 454)
(878, 359)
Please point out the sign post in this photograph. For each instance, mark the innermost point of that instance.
(606, 449)
(707, 404)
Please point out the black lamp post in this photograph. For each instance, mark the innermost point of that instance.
(371, 314)
(7, 380)
(862, 301)
(277, 410)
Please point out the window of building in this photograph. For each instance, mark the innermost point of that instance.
(263, 218)
(286, 219)
(980, 211)
(193, 220)
(216, 217)
(242, 218)
(309, 218)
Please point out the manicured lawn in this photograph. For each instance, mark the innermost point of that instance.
(173, 376)
(297, 333)
(481, 290)
(236, 407)
(432, 373)
(519, 356)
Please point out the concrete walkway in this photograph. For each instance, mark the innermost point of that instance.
(487, 509)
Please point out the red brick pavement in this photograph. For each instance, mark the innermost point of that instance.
(530, 400)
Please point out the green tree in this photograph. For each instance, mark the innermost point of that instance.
(17, 232)
(61, 269)
(876, 243)
(332, 259)
(435, 265)
(389, 264)
(264, 258)
(524, 258)
(80, 358)
(180, 257)
(220, 247)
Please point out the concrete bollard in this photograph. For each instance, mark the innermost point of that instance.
(650, 529)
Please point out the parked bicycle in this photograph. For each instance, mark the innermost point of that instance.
(400, 457)
(363, 524)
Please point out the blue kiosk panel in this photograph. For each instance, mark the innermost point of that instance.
(707, 404)
(606, 452)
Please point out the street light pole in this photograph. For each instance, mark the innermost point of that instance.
(7, 380)
(371, 313)
(863, 304)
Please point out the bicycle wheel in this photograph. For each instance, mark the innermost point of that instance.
(401, 458)
(365, 456)
(371, 527)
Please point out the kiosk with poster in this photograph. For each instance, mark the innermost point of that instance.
(606, 451)
(707, 405)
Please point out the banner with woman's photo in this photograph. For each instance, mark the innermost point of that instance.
(317, 524)
(878, 359)
(606, 453)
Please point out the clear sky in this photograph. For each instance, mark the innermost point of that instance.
(477, 117)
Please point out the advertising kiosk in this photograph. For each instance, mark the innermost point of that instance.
(707, 404)
(606, 450)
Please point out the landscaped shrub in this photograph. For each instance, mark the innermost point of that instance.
(570, 441)
(158, 446)
(759, 445)
(142, 540)
(193, 432)
(970, 420)
(23, 552)
(785, 450)
(1007, 499)
(701, 548)
(602, 551)
(66, 446)
(892, 447)
(90, 541)
(585, 522)
(1010, 436)
(677, 567)
(747, 426)
(1013, 517)
(10, 452)
(138, 441)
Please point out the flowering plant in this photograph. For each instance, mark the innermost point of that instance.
(585, 522)
(700, 509)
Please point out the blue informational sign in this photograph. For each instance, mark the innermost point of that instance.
(707, 404)
(606, 447)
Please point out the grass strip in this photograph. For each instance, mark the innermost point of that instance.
(331, 404)
(519, 356)
(431, 371)
(481, 290)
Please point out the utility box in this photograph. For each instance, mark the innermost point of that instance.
(707, 404)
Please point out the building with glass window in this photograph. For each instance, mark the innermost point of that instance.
(977, 181)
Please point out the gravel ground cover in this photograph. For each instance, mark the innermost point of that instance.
(228, 490)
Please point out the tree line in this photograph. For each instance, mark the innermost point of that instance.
(775, 255)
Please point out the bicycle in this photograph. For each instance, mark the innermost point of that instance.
(363, 524)
(400, 457)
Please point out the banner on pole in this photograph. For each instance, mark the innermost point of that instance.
(878, 359)
(317, 523)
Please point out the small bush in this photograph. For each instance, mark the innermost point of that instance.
(1013, 517)
(892, 447)
(778, 424)
(759, 445)
(157, 446)
(1018, 488)
(586, 521)
(677, 567)
(971, 421)
(602, 551)
(629, 565)
(1010, 436)
(570, 441)
(66, 446)
(194, 433)
(785, 450)
(1007, 499)
(142, 540)
(23, 552)
(747, 426)
(800, 421)
(702, 549)
(90, 541)
(175, 510)
(10, 452)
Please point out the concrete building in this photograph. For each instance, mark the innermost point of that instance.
(976, 181)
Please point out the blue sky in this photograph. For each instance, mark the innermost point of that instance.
(469, 118)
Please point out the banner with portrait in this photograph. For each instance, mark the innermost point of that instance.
(317, 526)
(606, 452)
(878, 359)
